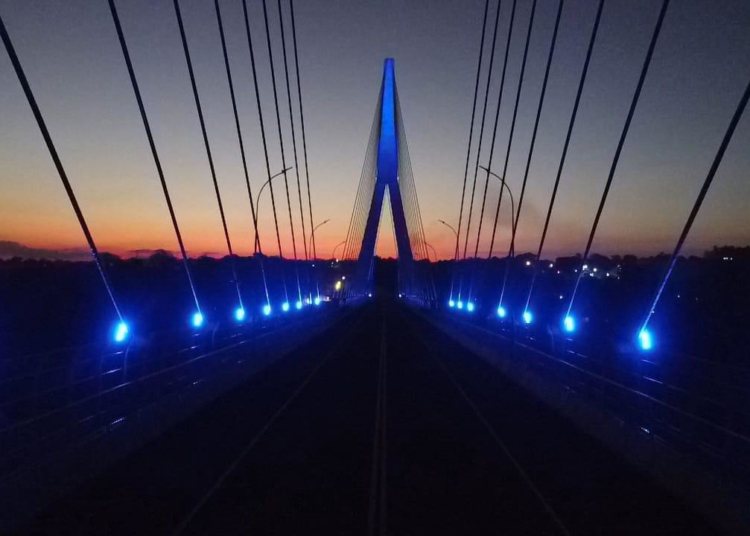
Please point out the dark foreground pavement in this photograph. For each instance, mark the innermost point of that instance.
(381, 426)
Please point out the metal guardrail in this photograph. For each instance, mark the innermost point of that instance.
(61, 399)
(648, 394)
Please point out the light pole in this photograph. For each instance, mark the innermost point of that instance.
(312, 233)
(257, 199)
(512, 201)
(449, 226)
(333, 253)
(433, 251)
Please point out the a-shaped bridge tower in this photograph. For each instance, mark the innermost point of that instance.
(387, 174)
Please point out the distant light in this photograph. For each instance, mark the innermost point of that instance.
(298, 305)
(317, 301)
(460, 304)
(121, 332)
(596, 269)
(501, 312)
(343, 277)
(399, 294)
(576, 270)
(585, 267)
(197, 320)
(470, 306)
(338, 285)
(285, 306)
(645, 340)
(527, 317)
(528, 263)
(569, 324)
(551, 265)
(607, 274)
(267, 310)
(239, 314)
(558, 271)
(369, 294)
(451, 303)
(561, 296)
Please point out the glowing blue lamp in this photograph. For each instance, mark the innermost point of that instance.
(527, 317)
(460, 304)
(267, 310)
(501, 312)
(470, 307)
(451, 303)
(239, 314)
(645, 340)
(317, 301)
(285, 306)
(569, 324)
(121, 332)
(197, 319)
(298, 305)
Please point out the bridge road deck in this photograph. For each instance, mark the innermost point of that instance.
(382, 426)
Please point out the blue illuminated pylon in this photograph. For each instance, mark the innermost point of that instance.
(387, 177)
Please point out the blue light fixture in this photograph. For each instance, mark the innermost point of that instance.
(569, 324)
(317, 301)
(451, 303)
(645, 340)
(501, 312)
(239, 314)
(121, 331)
(197, 319)
(285, 306)
(267, 310)
(460, 304)
(298, 305)
(470, 307)
(369, 294)
(527, 317)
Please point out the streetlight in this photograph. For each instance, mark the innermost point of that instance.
(449, 226)
(257, 199)
(433, 251)
(512, 201)
(333, 253)
(312, 233)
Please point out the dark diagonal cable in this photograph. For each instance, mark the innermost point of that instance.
(302, 126)
(492, 145)
(579, 92)
(468, 150)
(58, 163)
(291, 123)
(304, 144)
(618, 151)
(512, 130)
(697, 206)
(497, 120)
(208, 147)
(281, 144)
(481, 129)
(152, 145)
(265, 142)
(242, 147)
(514, 230)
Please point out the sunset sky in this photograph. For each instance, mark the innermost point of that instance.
(73, 61)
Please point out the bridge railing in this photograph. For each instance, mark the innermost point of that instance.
(662, 396)
(52, 402)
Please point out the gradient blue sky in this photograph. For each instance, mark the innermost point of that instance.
(72, 59)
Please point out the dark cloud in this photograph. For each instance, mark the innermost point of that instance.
(9, 249)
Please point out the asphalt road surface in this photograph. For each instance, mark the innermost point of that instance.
(382, 425)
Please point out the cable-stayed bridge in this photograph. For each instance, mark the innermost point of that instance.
(292, 394)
